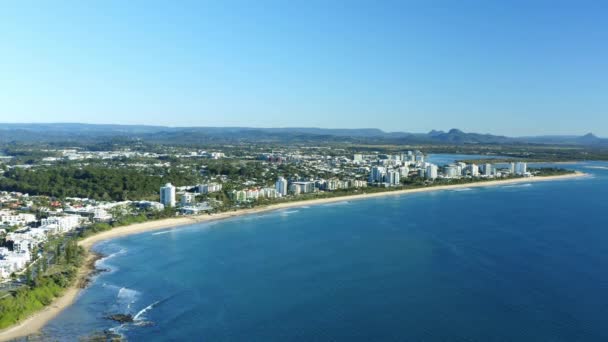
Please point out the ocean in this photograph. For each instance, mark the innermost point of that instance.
(524, 262)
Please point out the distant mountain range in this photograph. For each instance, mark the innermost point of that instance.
(86, 133)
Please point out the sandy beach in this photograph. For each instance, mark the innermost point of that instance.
(34, 323)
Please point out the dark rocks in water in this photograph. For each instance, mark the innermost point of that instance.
(121, 318)
(103, 336)
(144, 324)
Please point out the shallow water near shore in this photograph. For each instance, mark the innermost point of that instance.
(514, 262)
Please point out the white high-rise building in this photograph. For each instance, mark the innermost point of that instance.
(377, 174)
(521, 168)
(419, 157)
(512, 168)
(487, 170)
(392, 177)
(281, 186)
(431, 171)
(404, 171)
(474, 170)
(167, 195)
(451, 171)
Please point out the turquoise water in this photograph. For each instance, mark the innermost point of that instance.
(523, 262)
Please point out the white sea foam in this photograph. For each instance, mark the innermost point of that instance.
(126, 297)
(144, 310)
(163, 232)
(102, 263)
(462, 189)
(525, 185)
(337, 203)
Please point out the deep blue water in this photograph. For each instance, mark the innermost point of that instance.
(444, 159)
(522, 262)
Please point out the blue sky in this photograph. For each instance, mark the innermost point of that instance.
(510, 67)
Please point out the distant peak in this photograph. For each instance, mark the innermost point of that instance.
(590, 135)
(455, 131)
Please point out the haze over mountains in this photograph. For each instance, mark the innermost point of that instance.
(77, 132)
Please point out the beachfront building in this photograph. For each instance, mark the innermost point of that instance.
(167, 195)
(392, 178)
(101, 215)
(512, 168)
(64, 223)
(474, 170)
(12, 261)
(238, 195)
(332, 184)
(451, 171)
(195, 208)
(281, 186)
(377, 174)
(253, 194)
(209, 188)
(187, 199)
(521, 168)
(431, 171)
(269, 192)
(304, 187)
(156, 206)
(294, 189)
(11, 219)
(358, 183)
(487, 170)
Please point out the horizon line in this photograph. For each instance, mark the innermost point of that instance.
(298, 127)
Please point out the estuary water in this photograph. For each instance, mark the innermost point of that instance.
(523, 262)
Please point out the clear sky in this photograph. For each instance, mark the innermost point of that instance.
(508, 67)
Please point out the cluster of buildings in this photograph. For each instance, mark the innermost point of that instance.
(390, 173)
(486, 170)
(23, 232)
(203, 154)
(187, 204)
(284, 187)
(25, 240)
(77, 154)
(11, 218)
(253, 194)
(390, 170)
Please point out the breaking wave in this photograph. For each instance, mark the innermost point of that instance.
(525, 185)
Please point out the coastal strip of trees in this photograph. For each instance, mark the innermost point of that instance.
(45, 281)
(94, 182)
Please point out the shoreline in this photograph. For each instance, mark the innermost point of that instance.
(34, 323)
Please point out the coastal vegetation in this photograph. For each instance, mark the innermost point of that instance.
(94, 182)
(45, 281)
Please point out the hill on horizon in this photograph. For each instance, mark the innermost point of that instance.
(66, 132)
